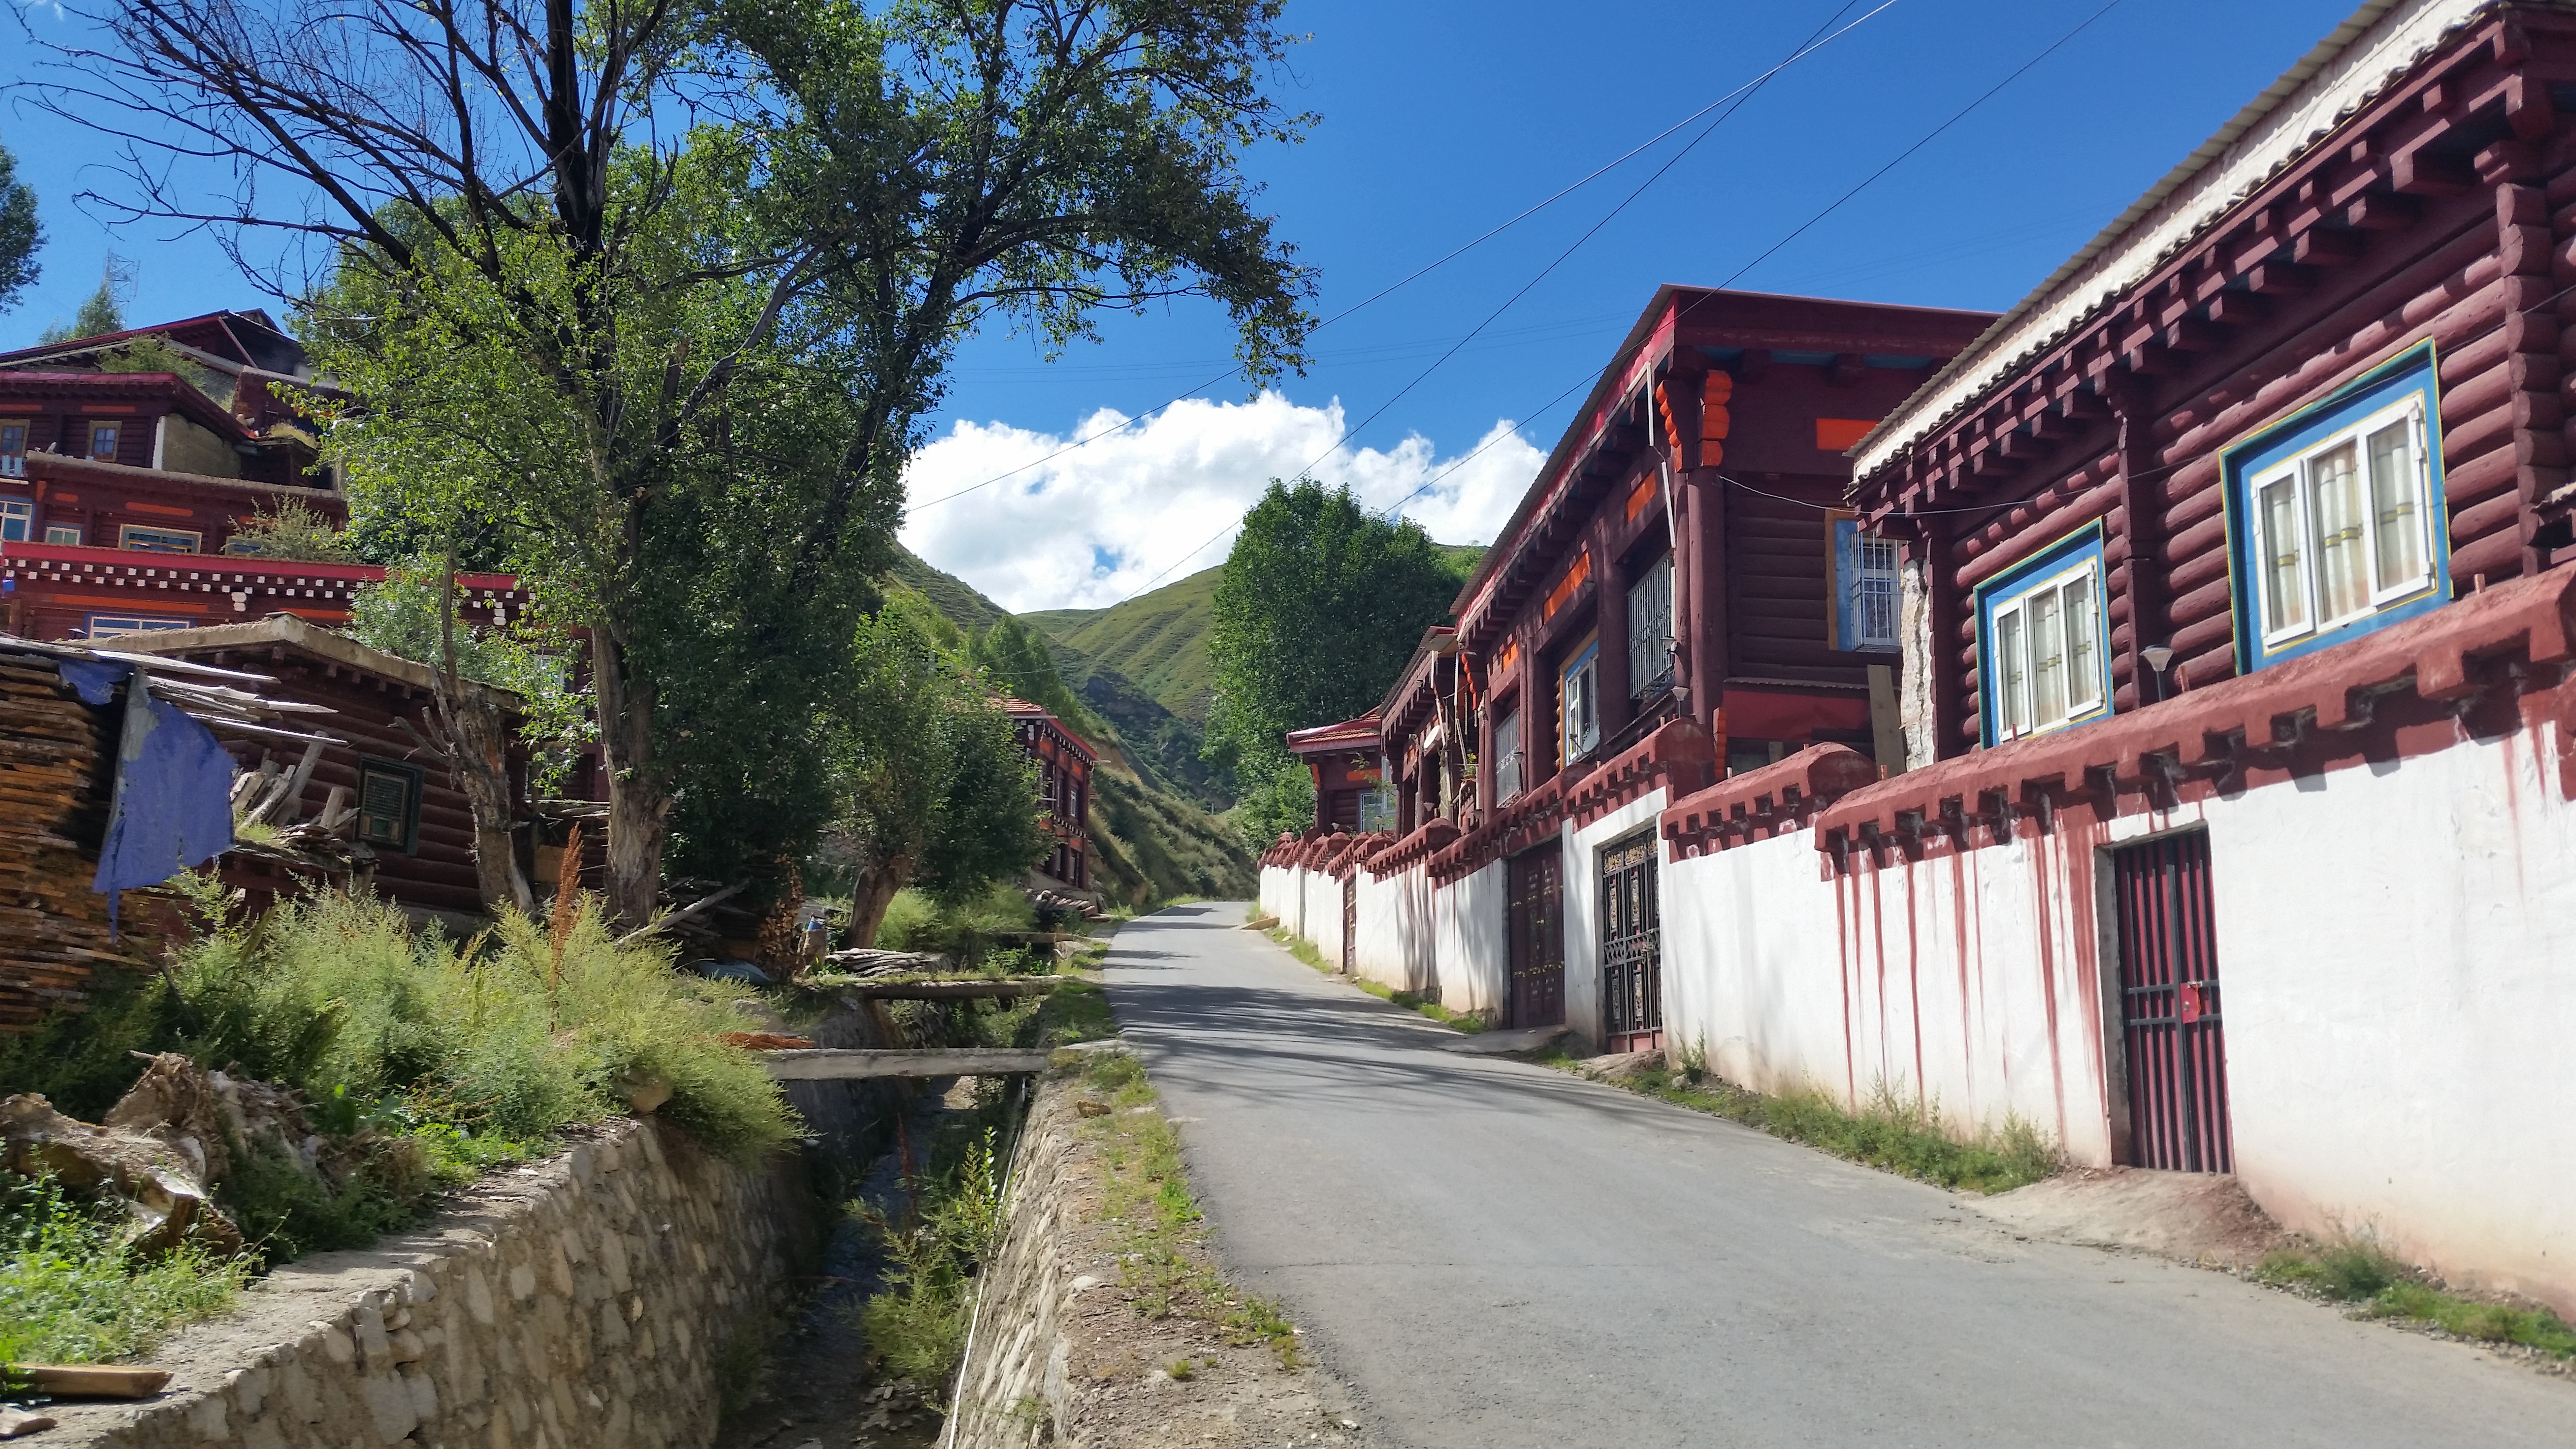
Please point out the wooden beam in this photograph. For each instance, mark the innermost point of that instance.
(825, 1064)
(950, 990)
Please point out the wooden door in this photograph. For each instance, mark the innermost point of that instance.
(1534, 891)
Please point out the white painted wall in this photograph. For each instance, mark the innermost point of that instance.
(1323, 918)
(1396, 947)
(1469, 959)
(1583, 904)
(2397, 960)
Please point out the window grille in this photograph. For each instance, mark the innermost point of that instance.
(1579, 699)
(1507, 757)
(1875, 592)
(1650, 630)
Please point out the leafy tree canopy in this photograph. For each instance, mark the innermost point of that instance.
(1320, 606)
(680, 368)
(20, 233)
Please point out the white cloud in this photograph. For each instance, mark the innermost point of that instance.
(1100, 522)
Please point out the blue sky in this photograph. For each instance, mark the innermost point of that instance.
(1436, 123)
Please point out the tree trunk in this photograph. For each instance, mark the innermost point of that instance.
(639, 809)
(478, 752)
(871, 893)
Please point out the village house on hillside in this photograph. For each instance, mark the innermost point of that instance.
(1682, 585)
(1064, 796)
(122, 492)
(2233, 825)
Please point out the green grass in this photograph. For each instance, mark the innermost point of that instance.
(1889, 1133)
(422, 1063)
(70, 1293)
(1303, 950)
(916, 1326)
(2359, 1271)
(1145, 1192)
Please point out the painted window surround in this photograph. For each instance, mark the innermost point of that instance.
(1578, 697)
(373, 776)
(148, 539)
(2076, 557)
(100, 626)
(17, 520)
(2404, 387)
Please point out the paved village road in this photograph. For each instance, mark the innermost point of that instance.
(1494, 1254)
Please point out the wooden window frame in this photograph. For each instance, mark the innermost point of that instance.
(89, 448)
(125, 538)
(14, 465)
(18, 514)
(2403, 390)
(143, 624)
(1515, 758)
(413, 788)
(1584, 661)
(2009, 705)
(1854, 559)
(63, 535)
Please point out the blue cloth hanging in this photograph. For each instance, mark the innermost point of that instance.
(173, 804)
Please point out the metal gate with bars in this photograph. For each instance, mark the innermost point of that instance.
(1632, 986)
(1534, 902)
(2169, 1016)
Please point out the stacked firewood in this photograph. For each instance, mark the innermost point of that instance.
(57, 782)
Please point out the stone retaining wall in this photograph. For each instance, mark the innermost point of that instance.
(592, 1301)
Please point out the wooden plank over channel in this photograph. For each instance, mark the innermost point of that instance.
(825, 1064)
(950, 990)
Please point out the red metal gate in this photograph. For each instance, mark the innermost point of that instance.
(2169, 1017)
(1632, 986)
(1534, 895)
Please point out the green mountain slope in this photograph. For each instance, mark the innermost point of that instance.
(1151, 840)
(1156, 640)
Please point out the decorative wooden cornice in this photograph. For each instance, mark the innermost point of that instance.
(1759, 804)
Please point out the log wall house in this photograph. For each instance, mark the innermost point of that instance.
(386, 789)
(2238, 700)
(1064, 763)
(121, 493)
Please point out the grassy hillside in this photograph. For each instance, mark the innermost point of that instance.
(1150, 840)
(1156, 640)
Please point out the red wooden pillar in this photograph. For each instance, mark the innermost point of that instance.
(1610, 626)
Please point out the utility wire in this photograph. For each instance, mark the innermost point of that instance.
(1444, 259)
(1828, 210)
(1731, 103)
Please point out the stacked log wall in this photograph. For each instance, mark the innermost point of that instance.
(2467, 278)
(56, 784)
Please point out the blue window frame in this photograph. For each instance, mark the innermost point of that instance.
(1579, 705)
(2335, 523)
(17, 520)
(2041, 632)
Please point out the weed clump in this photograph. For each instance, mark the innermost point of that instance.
(916, 1326)
(2359, 1270)
(71, 1292)
(1889, 1132)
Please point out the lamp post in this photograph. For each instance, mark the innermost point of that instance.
(2158, 658)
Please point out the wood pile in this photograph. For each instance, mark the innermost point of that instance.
(57, 783)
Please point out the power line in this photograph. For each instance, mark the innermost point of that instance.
(1732, 102)
(1425, 270)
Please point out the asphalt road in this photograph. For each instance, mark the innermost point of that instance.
(1494, 1254)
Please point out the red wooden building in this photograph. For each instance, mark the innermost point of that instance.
(1347, 762)
(1064, 791)
(388, 790)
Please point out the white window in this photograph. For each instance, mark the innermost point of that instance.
(66, 534)
(1579, 705)
(1874, 593)
(2341, 530)
(17, 520)
(158, 540)
(1650, 630)
(1507, 757)
(1864, 585)
(2044, 644)
(13, 449)
(103, 625)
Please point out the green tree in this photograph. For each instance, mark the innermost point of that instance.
(1320, 606)
(104, 310)
(931, 785)
(683, 370)
(20, 233)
